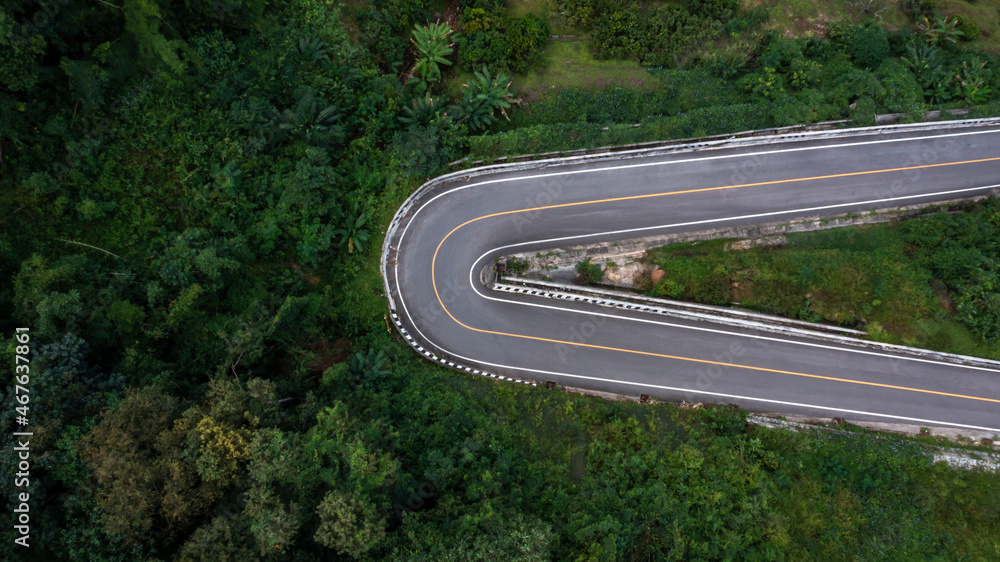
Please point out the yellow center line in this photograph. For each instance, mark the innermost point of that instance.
(691, 359)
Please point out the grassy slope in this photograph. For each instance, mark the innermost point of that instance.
(862, 277)
(569, 63)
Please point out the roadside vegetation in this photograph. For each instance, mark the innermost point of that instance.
(723, 66)
(192, 203)
(929, 282)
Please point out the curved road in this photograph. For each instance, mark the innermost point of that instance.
(443, 243)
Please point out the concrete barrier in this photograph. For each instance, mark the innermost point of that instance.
(750, 138)
(727, 317)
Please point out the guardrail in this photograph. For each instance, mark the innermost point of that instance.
(718, 315)
(748, 138)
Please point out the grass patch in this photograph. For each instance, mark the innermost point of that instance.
(876, 278)
(569, 63)
(521, 8)
(799, 18)
(985, 14)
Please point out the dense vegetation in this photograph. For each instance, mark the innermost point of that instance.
(719, 70)
(191, 204)
(930, 281)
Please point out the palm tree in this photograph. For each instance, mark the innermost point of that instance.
(485, 94)
(940, 30)
(433, 46)
(308, 118)
(421, 111)
(353, 235)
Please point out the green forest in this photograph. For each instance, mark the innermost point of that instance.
(192, 200)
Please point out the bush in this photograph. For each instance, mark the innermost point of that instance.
(863, 112)
(383, 23)
(584, 13)
(619, 35)
(866, 44)
(672, 34)
(486, 5)
(500, 43)
(526, 37)
(902, 93)
(588, 273)
(918, 9)
(714, 9)
(483, 48)
(970, 31)
(725, 421)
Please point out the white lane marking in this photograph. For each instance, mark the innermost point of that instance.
(742, 335)
(399, 287)
(687, 161)
(750, 398)
(494, 251)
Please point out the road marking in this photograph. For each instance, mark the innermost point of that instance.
(747, 155)
(921, 421)
(736, 334)
(717, 157)
(637, 352)
(724, 187)
(689, 160)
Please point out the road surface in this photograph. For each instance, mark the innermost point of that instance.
(444, 244)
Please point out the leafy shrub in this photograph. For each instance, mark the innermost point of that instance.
(866, 44)
(725, 421)
(672, 34)
(917, 9)
(484, 48)
(714, 9)
(661, 37)
(568, 136)
(505, 44)
(619, 35)
(383, 23)
(588, 273)
(901, 93)
(863, 112)
(584, 13)
(485, 5)
(517, 266)
(978, 303)
(527, 37)
(970, 31)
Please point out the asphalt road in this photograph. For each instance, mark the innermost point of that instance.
(446, 242)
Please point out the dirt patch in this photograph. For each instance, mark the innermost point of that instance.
(742, 291)
(326, 354)
(310, 278)
(943, 296)
(451, 15)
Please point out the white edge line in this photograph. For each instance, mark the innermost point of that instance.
(685, 161)
(475, 266)
(406, 310)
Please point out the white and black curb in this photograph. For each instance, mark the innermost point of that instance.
(431, 356)
(389, 250)
(755, 321)
(693, 311)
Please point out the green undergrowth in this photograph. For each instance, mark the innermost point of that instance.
(571, 136)
(928, 282)
(601, 480)
(856, 496)
(568, 63)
